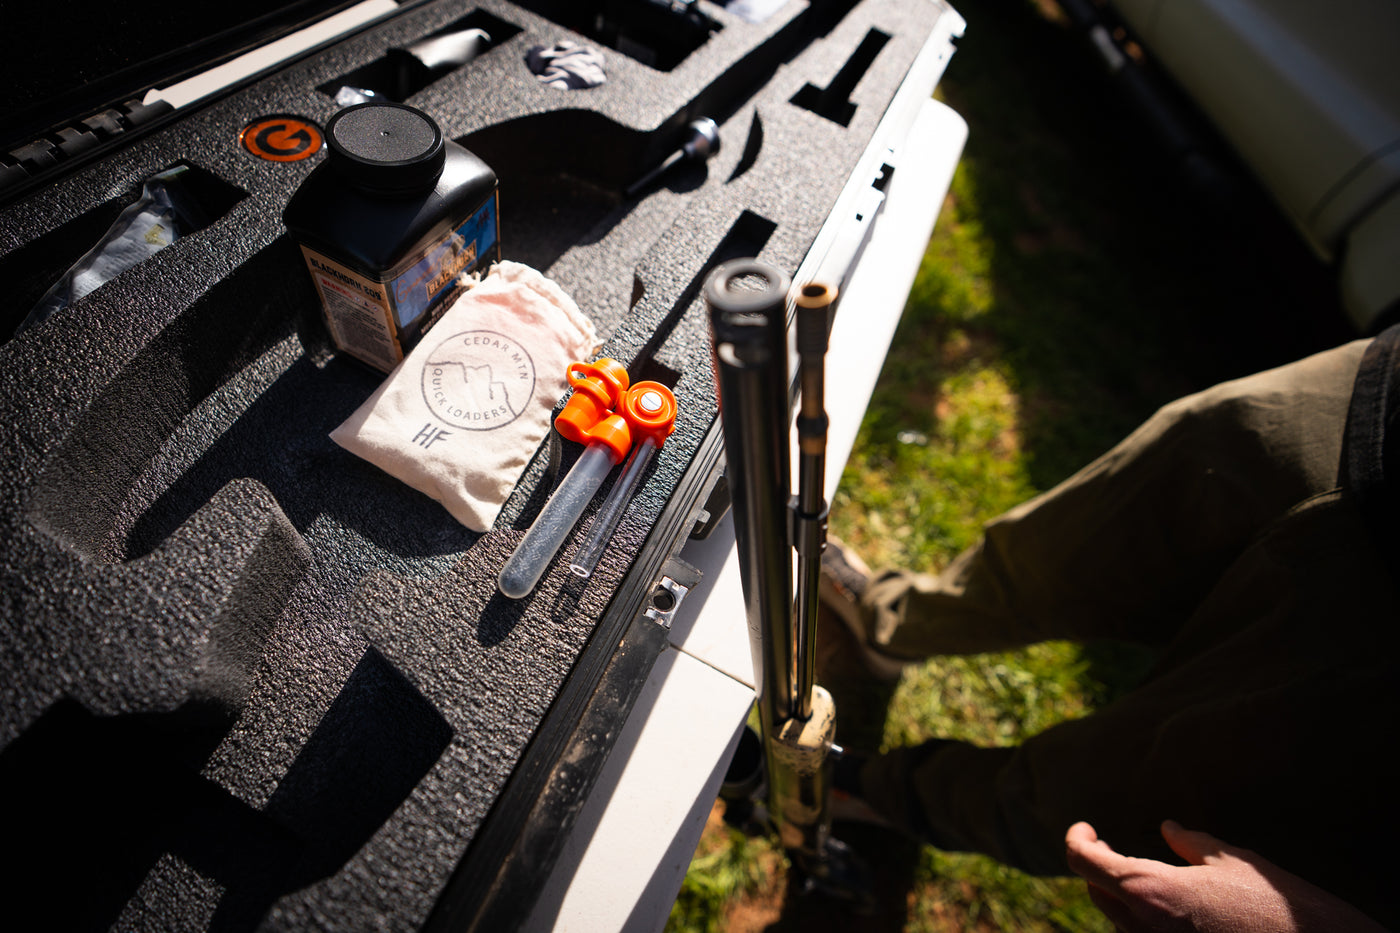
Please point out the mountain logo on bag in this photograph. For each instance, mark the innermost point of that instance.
(479, 380)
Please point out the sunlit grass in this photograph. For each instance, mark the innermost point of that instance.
(727, 866)
(972, 892)
(990, 699)
(940, 450)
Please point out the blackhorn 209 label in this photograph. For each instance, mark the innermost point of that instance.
(479, 380)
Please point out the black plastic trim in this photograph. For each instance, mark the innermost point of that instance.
(520, 840)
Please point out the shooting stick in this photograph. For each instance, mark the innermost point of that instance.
(748, 303)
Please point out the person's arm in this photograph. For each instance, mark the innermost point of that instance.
(1223, 889)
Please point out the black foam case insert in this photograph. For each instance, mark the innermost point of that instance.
(250, 681)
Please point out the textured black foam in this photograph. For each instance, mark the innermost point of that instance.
(254, 681)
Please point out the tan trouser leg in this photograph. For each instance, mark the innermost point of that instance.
(1128, 546)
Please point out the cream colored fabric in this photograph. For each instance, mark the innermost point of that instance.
(464, 412)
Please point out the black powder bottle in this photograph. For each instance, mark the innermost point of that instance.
(387, 224)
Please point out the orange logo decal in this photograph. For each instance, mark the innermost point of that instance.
(281, 138)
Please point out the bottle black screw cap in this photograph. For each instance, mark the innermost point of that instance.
(386, 148)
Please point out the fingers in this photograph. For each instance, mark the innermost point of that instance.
(1082, 832)
(1196, 848)
(1093, 859)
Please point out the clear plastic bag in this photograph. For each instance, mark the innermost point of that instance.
(165, 212)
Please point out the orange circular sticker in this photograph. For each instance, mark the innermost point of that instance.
(280, 138)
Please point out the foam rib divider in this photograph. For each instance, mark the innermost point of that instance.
(249, 681)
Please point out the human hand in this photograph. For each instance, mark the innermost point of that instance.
(1223, 889)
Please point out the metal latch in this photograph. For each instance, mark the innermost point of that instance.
(666, 598)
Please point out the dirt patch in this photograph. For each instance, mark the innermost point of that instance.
(759, 911)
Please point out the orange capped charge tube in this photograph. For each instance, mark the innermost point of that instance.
(650, 411)
(588, 418)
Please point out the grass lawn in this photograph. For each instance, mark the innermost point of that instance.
(1072, 286)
